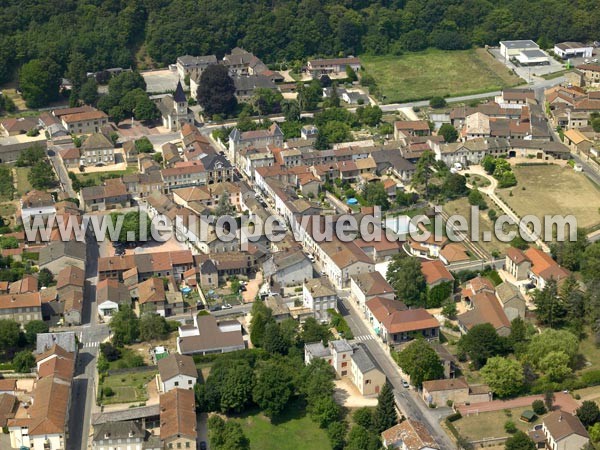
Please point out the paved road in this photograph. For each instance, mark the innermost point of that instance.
(539, 85)
(63, 175)
(409, 402)
(90, 334)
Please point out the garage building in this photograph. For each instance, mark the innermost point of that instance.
(567, 50)
(510, 49)
(532, 58)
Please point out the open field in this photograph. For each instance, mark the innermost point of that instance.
(23, 184)
(292, 431)
(491, 424)
(421, 75)
(128, 387)
(551, 189)
(463, 208)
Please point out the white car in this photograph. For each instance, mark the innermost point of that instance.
(405, 384)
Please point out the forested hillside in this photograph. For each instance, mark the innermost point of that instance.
(107, 33)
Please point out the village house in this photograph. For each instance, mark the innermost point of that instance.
(535, 265)
(435, 273)
(319, 296)
(45, 424)
(37, 204)
(320, 67)
(87, 122)
(22, 308)
(484, 307)
(591, 74)
(564, 431)
(193, 66)
(456, 390)
(349, 361)
(16, 126)
(259, 138)
(408, 435)
(71, 157)
(159, 264)
(112, 194)
(178, 429)
(96, 150)
(395, 324)
(128, 433)
(176, 371)
(288, 268)
(59, 254)
(110, 295)
(369, 285)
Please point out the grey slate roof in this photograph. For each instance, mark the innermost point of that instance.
(179, 95)
(65, 339)
(118, 430)
(57, 249)
(341, 345)
(363, 360)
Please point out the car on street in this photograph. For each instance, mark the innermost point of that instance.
(202, 445)
(405, 384)
(226, 306)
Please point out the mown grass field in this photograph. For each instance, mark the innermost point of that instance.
(551, 189)
(491, 424)
(293, 430)
(23, 184)
(422, 75)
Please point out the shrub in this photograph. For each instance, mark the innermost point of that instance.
(107, 391)
(538, 407)
(454, 417)
(510, 427)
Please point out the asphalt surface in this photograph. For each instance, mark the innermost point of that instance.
(407, 399)
(90, 334)
(63, 175)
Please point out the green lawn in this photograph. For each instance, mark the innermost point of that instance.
(422, 75)
(292, 431)
(491, 424)
(128, 387)
(98, 177)
(23, 184)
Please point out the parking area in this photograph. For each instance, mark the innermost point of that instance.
(528, 72)
(160, 81)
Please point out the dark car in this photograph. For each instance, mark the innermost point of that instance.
(202, 445)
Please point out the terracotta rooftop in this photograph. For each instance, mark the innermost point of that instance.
(435, 271)
(178, 414)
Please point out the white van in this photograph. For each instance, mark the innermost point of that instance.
(457, 166)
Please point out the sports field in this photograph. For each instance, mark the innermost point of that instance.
(551, 189)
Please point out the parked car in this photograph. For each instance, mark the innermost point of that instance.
(202, 445)
(226, 306)
(405, 384)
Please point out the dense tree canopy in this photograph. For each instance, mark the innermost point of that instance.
(216, 92)
(105, 33)
(420, 361)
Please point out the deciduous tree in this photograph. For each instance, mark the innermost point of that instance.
(503, 375)
(216, 91)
